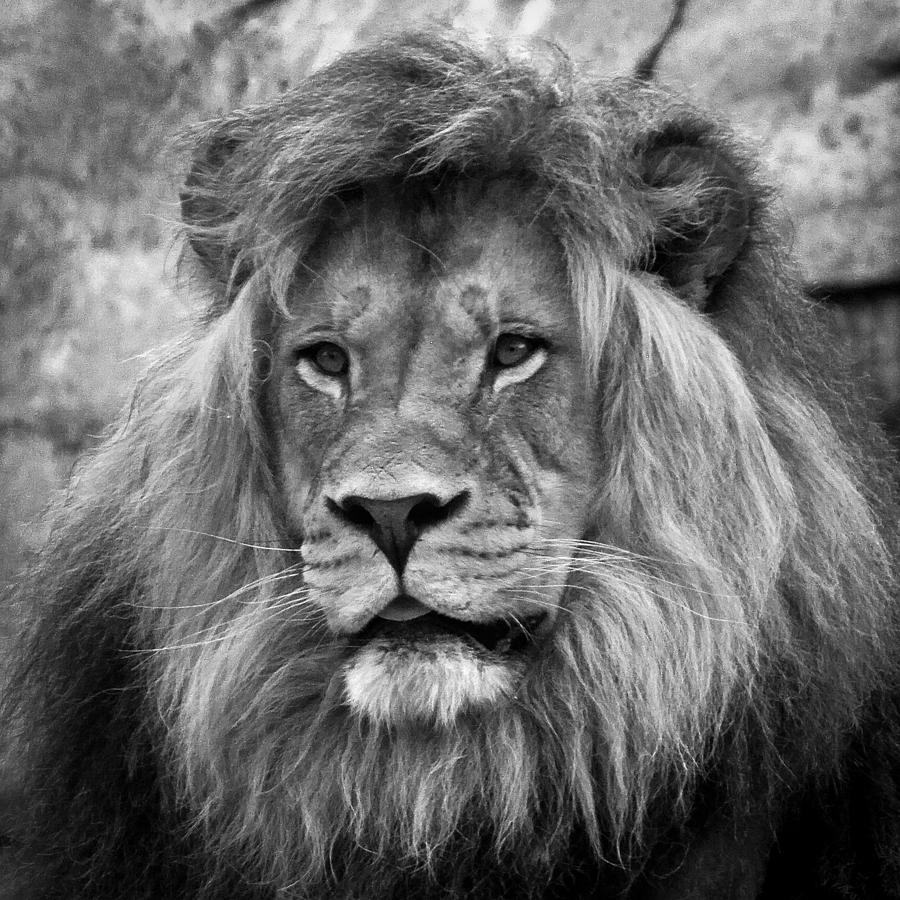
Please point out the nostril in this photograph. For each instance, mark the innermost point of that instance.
(351, 510)
(425, 511)
(431, 511)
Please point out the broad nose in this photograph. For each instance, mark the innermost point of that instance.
(395, 524)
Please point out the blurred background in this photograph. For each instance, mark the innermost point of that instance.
(92, 91)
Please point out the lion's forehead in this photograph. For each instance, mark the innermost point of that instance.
(388, 278)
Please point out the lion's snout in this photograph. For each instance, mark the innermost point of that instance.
(395, 523)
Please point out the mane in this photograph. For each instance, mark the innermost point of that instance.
(713, 616)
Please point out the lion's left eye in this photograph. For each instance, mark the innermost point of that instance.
(513, 349)
(328, 358)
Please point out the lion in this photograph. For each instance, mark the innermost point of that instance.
(506, 527)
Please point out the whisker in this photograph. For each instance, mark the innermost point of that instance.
(277, 607)
(284, 575)
(639, 587)
(207, 642)
(227, 540)
(584, 544)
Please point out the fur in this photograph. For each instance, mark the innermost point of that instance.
(727, 664)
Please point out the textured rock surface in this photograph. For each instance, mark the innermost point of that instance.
(817, 82)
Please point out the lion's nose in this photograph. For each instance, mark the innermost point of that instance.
(395, 525)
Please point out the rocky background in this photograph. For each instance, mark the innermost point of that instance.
(91, 92)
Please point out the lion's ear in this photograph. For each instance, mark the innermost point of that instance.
(206, 210)
(700, 202)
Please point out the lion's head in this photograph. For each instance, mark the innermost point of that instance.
(492, 512)
(433, 437)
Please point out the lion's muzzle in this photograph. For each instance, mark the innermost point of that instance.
(395, 524)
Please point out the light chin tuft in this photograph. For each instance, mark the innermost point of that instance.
(391, 685)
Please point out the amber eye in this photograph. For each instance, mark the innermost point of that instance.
(513, 349)
(328, 358)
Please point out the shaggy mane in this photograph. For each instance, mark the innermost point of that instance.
(731, 619)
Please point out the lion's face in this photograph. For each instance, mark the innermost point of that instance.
(433, 434)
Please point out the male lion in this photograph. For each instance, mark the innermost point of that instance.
(496, 535)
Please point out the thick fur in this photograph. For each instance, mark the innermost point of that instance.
(714, 713)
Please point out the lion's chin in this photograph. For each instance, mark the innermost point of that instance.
(391, 683)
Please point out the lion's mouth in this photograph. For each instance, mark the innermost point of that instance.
(500, 636)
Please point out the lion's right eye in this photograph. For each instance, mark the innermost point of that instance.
(513, 349)
(328, 358)
(515, 358)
